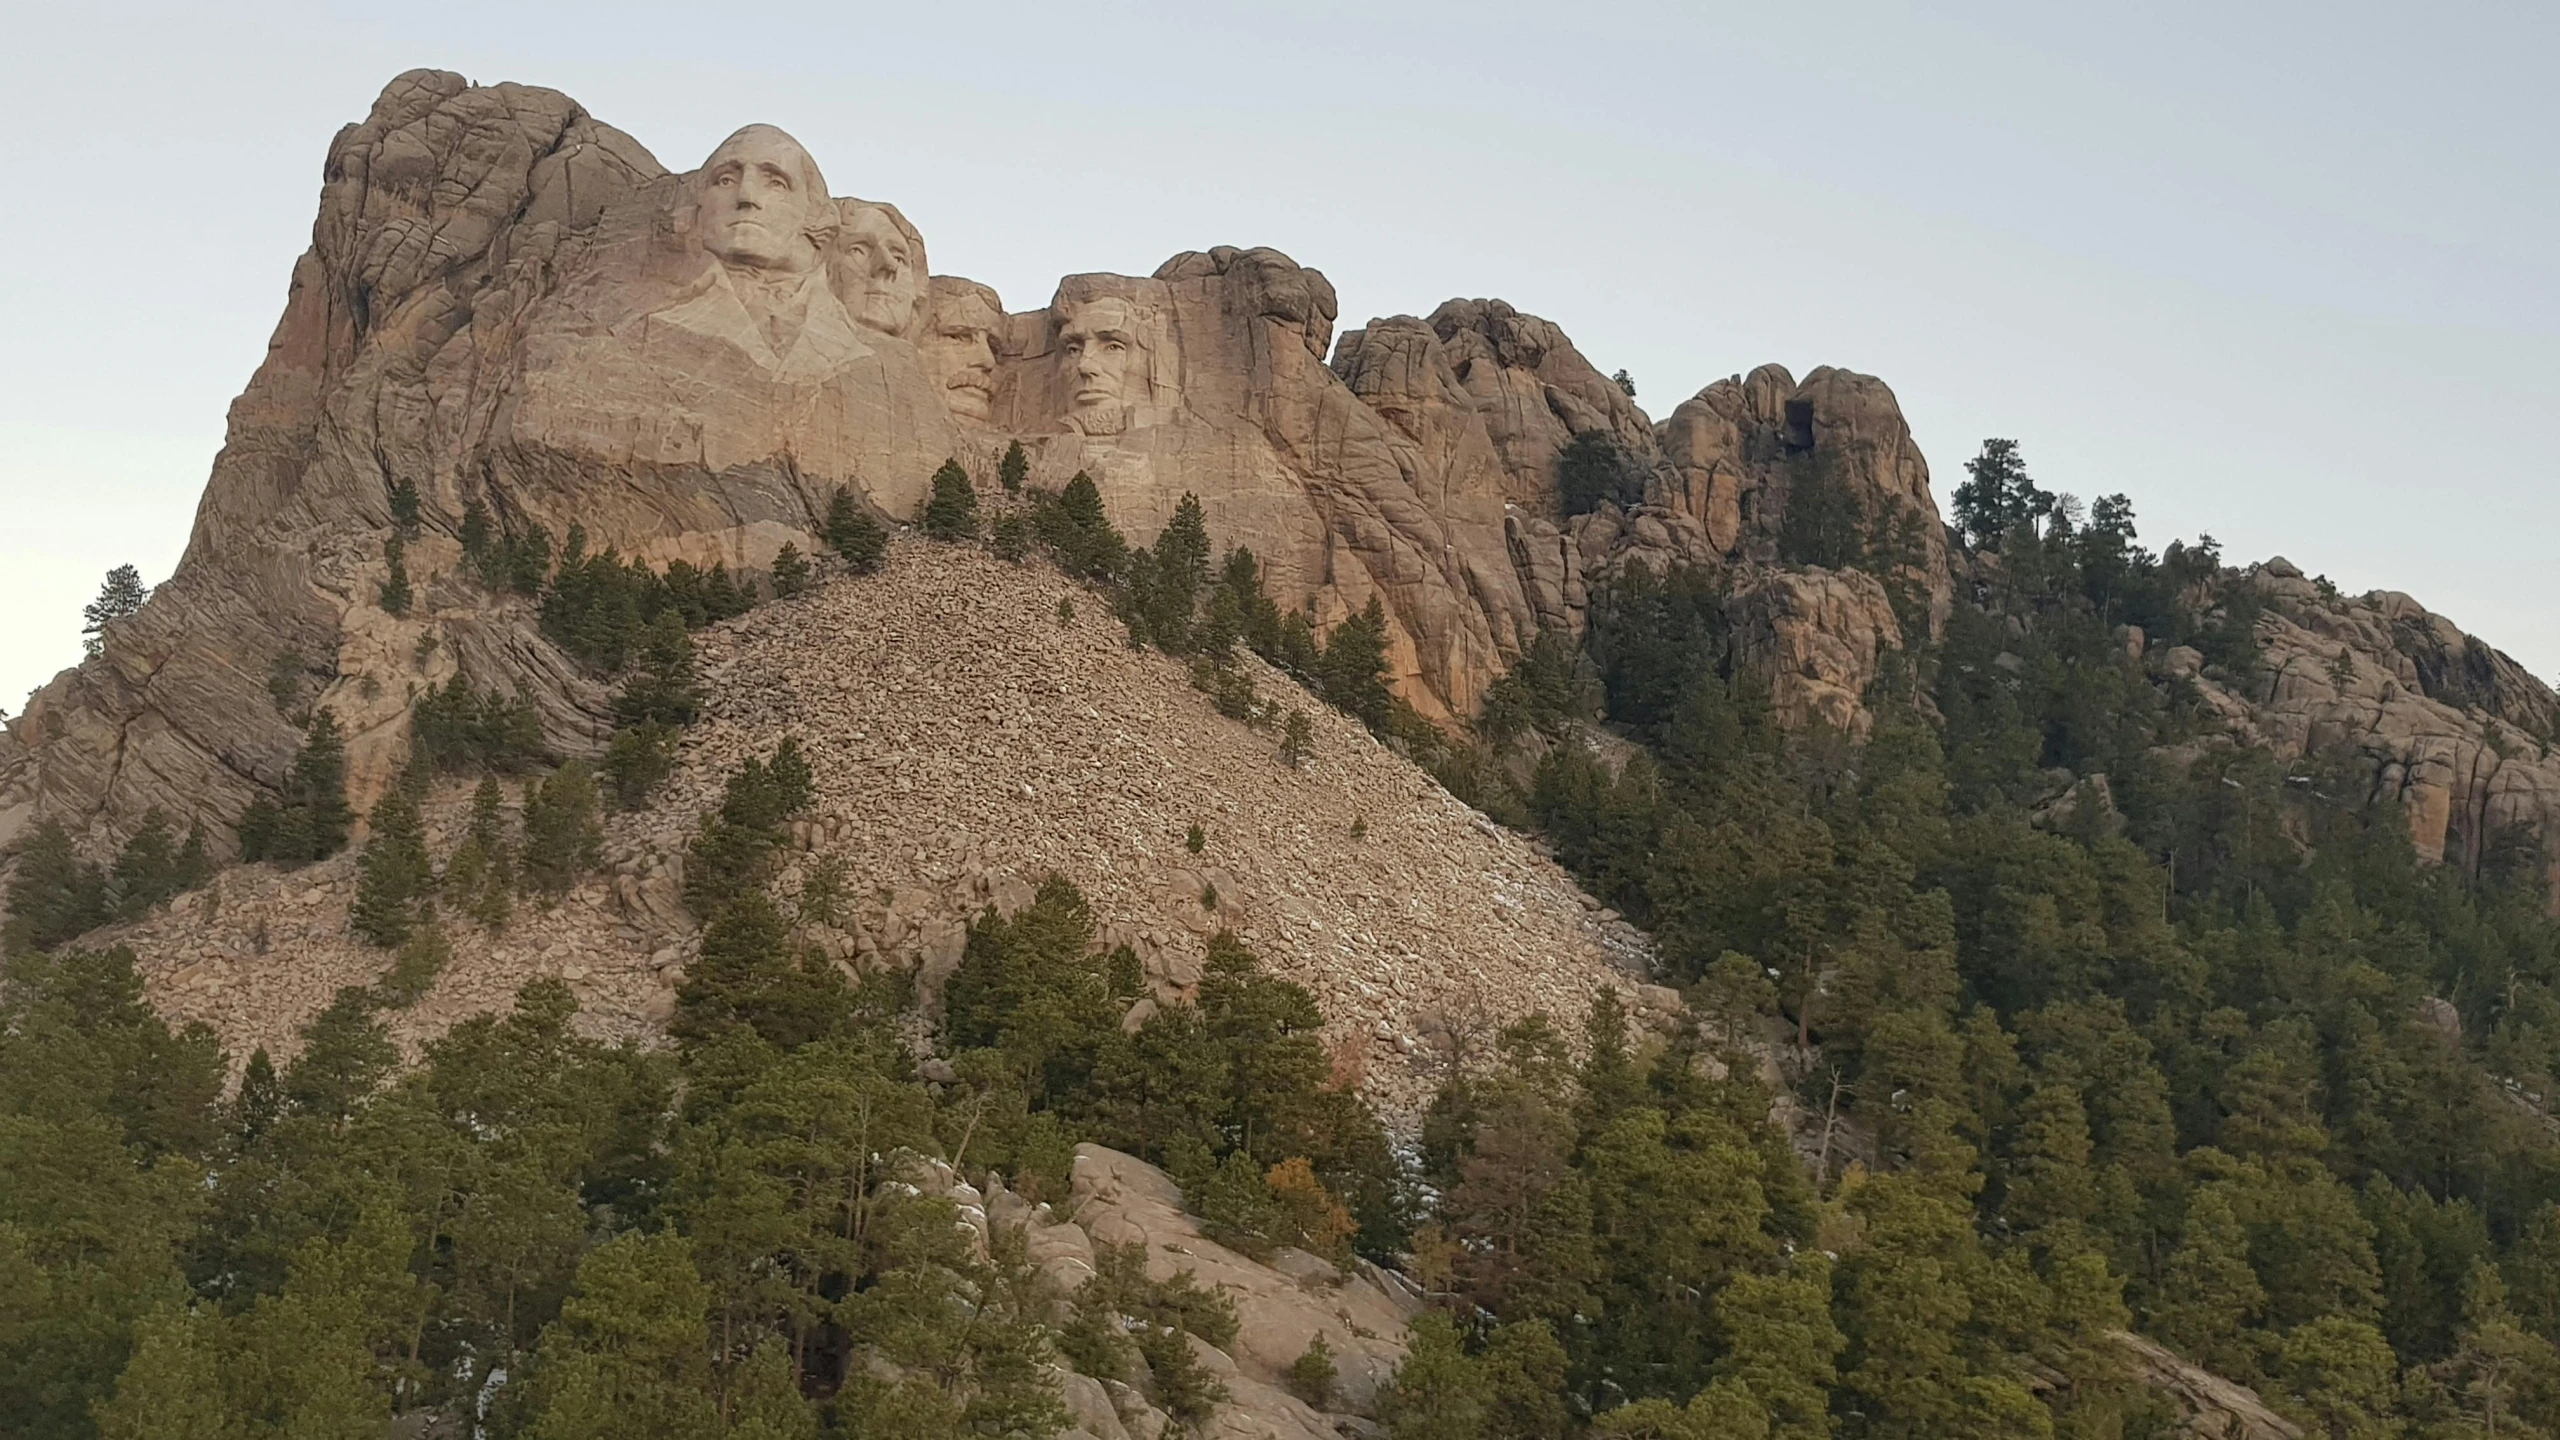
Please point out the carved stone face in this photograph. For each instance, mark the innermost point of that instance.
(883, 270)
(959, 347)
(758, 198)
(1096, 342)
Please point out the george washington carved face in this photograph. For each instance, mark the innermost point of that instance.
(761, 203)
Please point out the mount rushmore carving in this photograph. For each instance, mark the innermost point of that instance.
(509, 303)
(512, 304)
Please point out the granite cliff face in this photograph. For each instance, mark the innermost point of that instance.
(508, 302)
(511, 304)
(2417, 711)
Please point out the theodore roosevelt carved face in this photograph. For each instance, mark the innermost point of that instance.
(761, 203)
(959, 345)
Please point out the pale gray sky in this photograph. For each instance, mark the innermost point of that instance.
(2287, 273)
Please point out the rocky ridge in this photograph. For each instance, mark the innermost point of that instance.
(2424, 714)
(511, 304)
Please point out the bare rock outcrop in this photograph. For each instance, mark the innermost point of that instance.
(511, 306)
(2209, 1407)
(1480, 385)
(1209, 378)
(1817, 636)
(2420, 713)
(1281, 1307)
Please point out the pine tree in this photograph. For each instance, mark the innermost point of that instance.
(952, 511)
(147, 870)
(1437, 1393)
(1013, 469)
(1079, 532)
(395, 876)
(2498, 1366)
(308, 818)
(853, 534)
(1009, 538)
(395, 594)
(562, 834)
(284, 681)
(1297, 740)
(527, 556)
(1353, 672)
(261, 1097)
(790, 571)
(747, 977)
(53, 895)
(1592, 471)
(2053, 1193)
(404, 506)
(476, 537)
(1781, 1345)
(630, 1354)
(121, 595)
(2210, 1293)
(637, 761)
(1999, 498)
(480, 876)
(1164, 590)
(177, 1386)
(1825, 522)
(661, 689)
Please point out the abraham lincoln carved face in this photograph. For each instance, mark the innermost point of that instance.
(1097, 341)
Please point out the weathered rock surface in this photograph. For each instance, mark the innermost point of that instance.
(2210, 1407)
(2425, 715)
(509, 303)
(967, 744)
(1281, 1307)
(1817, 636)
(1209, 378)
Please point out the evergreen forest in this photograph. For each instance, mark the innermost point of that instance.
(1993, 1063)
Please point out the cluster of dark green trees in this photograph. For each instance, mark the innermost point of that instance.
(1176, 596)
(2213, 1057)
(55, 895)
(530, 1233)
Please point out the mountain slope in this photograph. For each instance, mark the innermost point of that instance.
(967, 743)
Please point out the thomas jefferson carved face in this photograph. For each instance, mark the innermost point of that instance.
(882, 270)
(959, 346)
(761, 202)
(1096, 342)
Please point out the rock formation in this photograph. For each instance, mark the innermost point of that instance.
(1282, 1305)
(511, 304)
(2420, 713)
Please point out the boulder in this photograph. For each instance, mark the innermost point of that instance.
(2211, 1407)
(1121, 1200)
